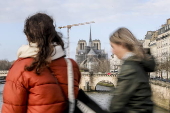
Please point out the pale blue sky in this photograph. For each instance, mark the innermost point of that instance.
(139, 16)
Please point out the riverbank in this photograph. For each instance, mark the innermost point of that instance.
(161, 93)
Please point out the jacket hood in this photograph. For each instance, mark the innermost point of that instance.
(148, 63)
(31, 50)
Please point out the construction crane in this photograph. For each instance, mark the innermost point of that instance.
(68, 28)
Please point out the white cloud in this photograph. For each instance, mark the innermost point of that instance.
(69, 11)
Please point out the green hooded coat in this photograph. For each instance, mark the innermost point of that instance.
(133, 92)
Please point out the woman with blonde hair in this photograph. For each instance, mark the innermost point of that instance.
(133, 92)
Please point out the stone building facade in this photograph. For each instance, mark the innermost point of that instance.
(114, 63)
(159, 43)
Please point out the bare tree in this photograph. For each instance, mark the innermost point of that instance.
(159, 68)
(102, 66)
(5, 64)
(164, 65)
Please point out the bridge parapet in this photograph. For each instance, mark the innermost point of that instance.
(3, 72)
(98, 74)
(85, 75)
(112, 75)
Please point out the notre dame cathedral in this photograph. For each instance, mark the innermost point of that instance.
(88, 55)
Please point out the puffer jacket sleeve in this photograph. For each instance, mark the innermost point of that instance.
(125, 88)
(14, 95)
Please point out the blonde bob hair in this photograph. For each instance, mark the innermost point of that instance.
(124, 37)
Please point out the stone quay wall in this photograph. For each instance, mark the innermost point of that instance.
(161, 93)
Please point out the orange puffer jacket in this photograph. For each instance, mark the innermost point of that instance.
(26, 92)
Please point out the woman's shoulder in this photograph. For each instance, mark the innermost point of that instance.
(61, 62)
(21, 63)
(133, 70)
(18, 68)
(128, 67)
(128, 70)
(130, 64)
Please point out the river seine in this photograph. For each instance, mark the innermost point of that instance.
(102, 98)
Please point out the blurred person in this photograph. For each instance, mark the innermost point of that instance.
(37, 81)
(133, 92)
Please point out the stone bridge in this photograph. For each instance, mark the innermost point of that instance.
(90, 81)
(3, 74)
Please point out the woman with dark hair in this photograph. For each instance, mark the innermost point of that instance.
(37, 81)
(133, 91)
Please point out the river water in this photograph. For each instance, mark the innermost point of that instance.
(102, 98)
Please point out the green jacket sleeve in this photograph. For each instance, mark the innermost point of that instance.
(125, 87)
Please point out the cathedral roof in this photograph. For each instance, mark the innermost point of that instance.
(89, 60)
(92, 59)
(91, 52)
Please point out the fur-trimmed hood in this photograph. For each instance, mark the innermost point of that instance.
(31, 50)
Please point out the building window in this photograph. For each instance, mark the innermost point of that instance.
(97, 46)
(83, 46)
(80, 46)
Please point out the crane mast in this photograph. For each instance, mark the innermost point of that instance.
(68, 37)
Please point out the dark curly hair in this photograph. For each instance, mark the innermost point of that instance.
(40, 29)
